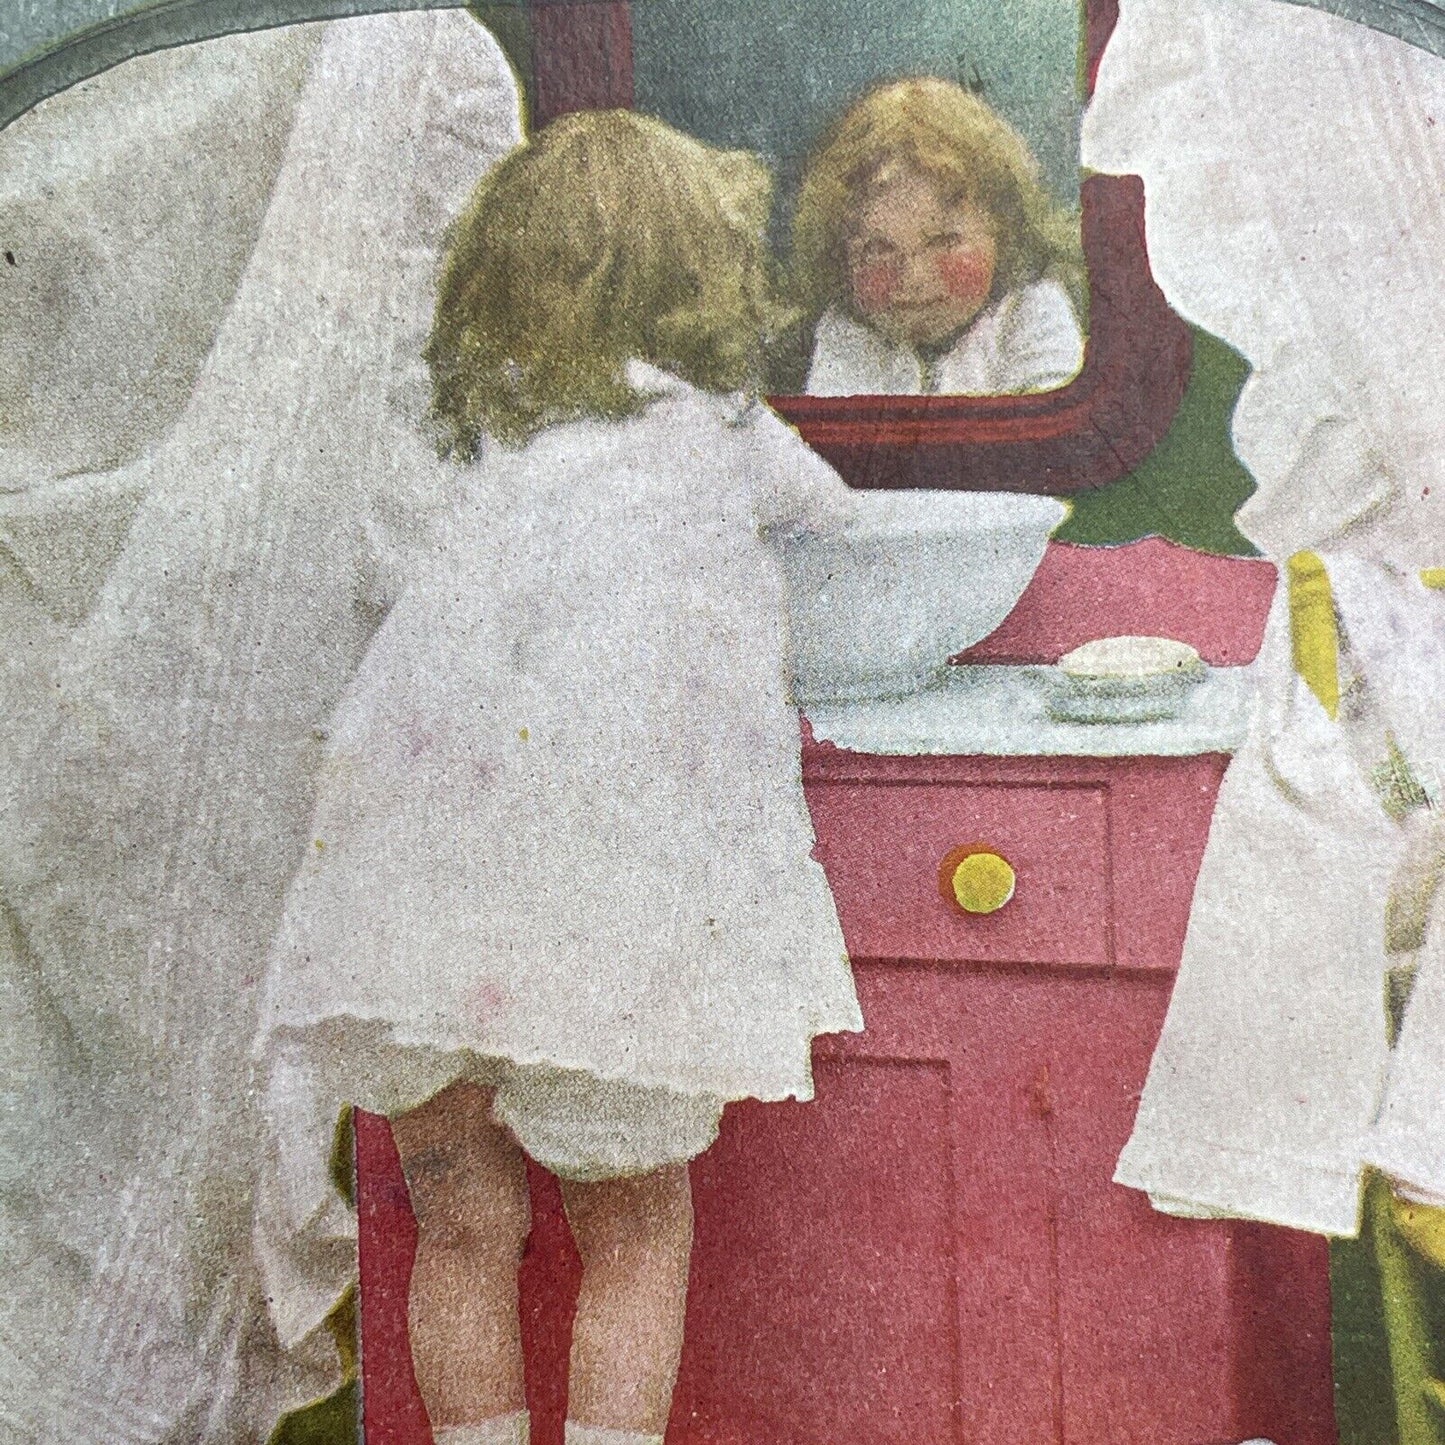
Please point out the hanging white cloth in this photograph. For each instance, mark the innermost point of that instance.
(1408, 1142)
(111, 294)
(154, 822)
(128, 206)
(1293, 165)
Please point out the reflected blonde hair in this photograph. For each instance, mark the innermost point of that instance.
(608, 236)
(967, 150)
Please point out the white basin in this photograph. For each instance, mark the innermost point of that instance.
(880, 605)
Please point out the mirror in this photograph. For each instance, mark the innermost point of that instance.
(698, 63)
(929, 227)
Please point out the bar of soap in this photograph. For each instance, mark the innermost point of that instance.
(1132, 658)
(1124, 680)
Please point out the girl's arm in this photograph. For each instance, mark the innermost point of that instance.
(790, 484)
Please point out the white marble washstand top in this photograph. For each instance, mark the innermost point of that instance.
(1003, 711)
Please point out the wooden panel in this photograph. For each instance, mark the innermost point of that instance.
(882, 846)
(1146, 1302)
(822, 1300)
(1284, 1379)
(1160, 810)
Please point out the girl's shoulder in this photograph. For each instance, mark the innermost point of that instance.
(721, 408)
(676, 421)
(1039, 339)
(1044, 300)
(709, 428)
(734, 430)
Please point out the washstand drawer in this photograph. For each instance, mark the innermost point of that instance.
(953, 871)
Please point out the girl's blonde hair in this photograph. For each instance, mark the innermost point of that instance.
(968, 150)
(608, 236)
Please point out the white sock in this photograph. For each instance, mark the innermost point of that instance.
(597, 1435)
(514, 1429)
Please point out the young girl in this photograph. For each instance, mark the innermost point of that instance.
(931, 254)
(560, 901)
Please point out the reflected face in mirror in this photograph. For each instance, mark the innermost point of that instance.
(978, 98)
(920, 266)
(928, 253)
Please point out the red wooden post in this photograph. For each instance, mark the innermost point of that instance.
(582, 53)
(392, 1412)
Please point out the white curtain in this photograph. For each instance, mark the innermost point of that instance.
(1293, 165)
(159, 799)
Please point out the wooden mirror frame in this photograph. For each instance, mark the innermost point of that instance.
(1094, 430)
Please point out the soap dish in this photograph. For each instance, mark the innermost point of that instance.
(1124, 680)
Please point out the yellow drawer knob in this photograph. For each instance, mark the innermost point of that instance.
(977, 879)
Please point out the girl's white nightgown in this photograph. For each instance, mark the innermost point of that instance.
(561, 818)
(1028, 340)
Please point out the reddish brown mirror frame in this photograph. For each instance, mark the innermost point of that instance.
(1093, 431)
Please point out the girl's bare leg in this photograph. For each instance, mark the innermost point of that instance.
(468, 1187)
(635, 1239)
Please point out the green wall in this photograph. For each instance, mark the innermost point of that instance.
(1191, 484)
(771, 85)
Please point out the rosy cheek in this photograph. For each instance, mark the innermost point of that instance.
(966, 275)
(874, 286)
